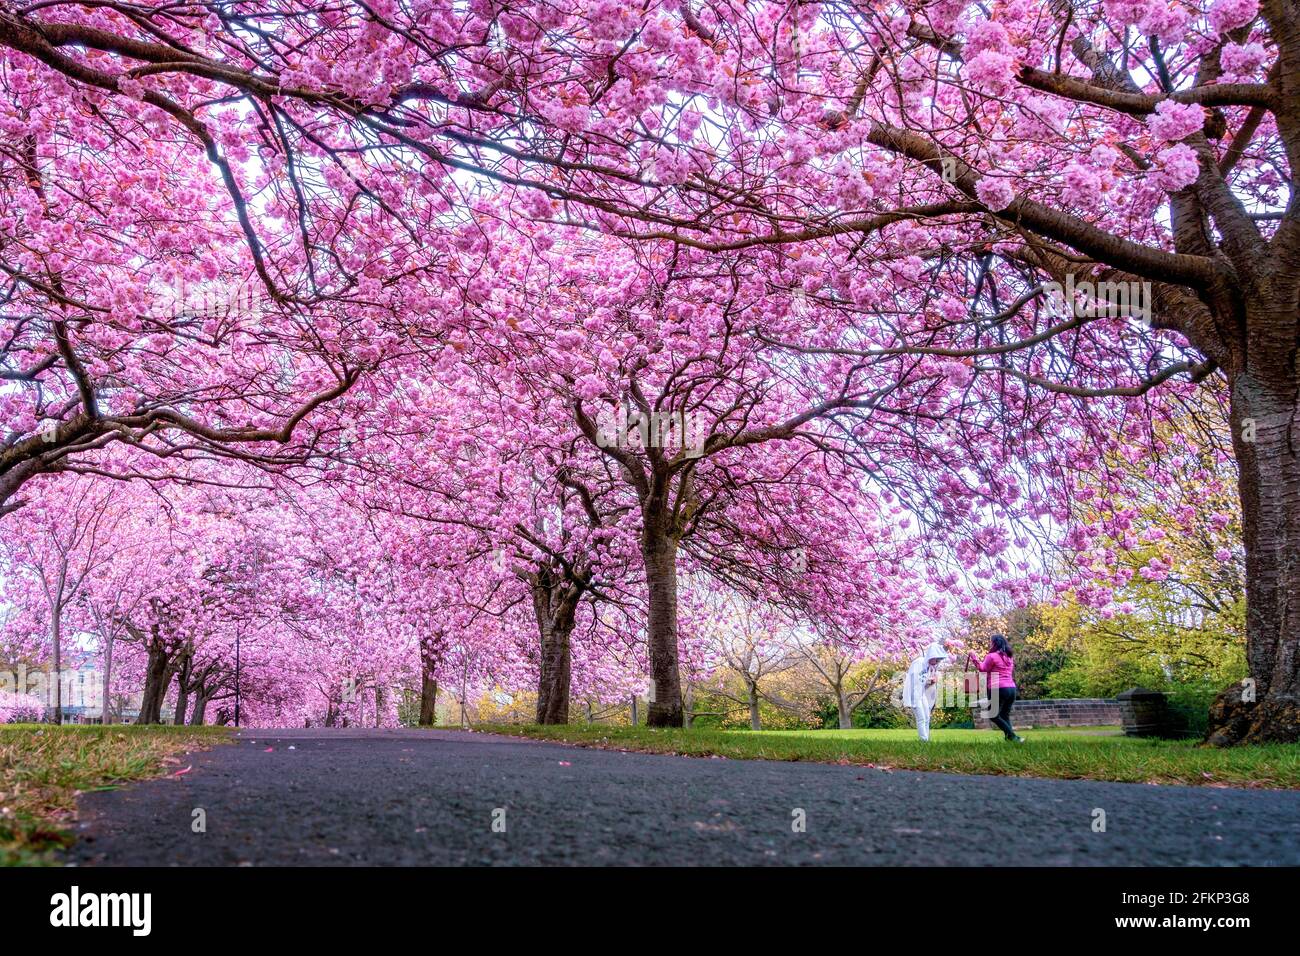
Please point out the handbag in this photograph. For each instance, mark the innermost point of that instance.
(971, 684)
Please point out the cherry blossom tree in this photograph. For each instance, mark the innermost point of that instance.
(939, 253)
(1134, 154)
(58, 552)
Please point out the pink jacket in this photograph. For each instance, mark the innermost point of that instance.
(1001, 670)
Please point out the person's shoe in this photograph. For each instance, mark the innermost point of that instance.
(1017, 739)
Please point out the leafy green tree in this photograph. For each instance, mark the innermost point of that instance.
(1176, 615)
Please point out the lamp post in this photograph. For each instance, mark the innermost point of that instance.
(237, 633)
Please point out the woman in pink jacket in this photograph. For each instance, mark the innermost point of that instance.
(1000, 665)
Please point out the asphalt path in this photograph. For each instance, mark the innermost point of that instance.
(420, 797)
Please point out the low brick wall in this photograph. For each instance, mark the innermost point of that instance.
(1068, 712)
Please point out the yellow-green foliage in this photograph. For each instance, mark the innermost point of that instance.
(500, 707)
(1189, 628)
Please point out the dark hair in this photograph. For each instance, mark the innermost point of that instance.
(1000, 644)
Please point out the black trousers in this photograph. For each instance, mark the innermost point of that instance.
(1006, 700)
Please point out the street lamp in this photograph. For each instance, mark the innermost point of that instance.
(237, 633)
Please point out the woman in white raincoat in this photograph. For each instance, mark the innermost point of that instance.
(921, 686)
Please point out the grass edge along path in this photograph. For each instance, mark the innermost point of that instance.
(43, 768)
(1065, 754)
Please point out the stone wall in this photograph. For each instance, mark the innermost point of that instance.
(1068, 712)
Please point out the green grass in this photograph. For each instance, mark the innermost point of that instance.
(1073, 753)
(43, 768)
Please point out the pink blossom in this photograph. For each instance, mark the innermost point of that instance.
(992, 72)
(1167, 22)
(131, 87)
(672, 166)
(1129, 11)
(589, 386)
(610, 19)
(1103, 156)
(987, 35)
(1227, 15)
(997, 194)
(1174, 121)
(1178, 168)
(1082, 184)
(1242, 58)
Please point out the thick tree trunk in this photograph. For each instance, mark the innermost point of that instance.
(755, 719)
(1267, 442)
(555, 606)
(845, 708)
(183, 669)
(428, 701)
(659, 552)
(157, 675)
(182, 700)
(431, 651)
(200, 710)
(554, 675)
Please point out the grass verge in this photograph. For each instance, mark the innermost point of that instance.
(1070, 754)
(43, 768)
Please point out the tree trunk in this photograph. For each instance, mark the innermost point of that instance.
(106, 717)
(183, 668)
(431, 656)
(555, 606)
(157, 675)
(554, 676)
(689, 703)
(755, 719)
(1267, 446)
(660, 554)
(56, 635)
(428, 701)
(846, 709)
(200, 710)
(182, 705)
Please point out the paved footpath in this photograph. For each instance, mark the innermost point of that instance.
(414, 797)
